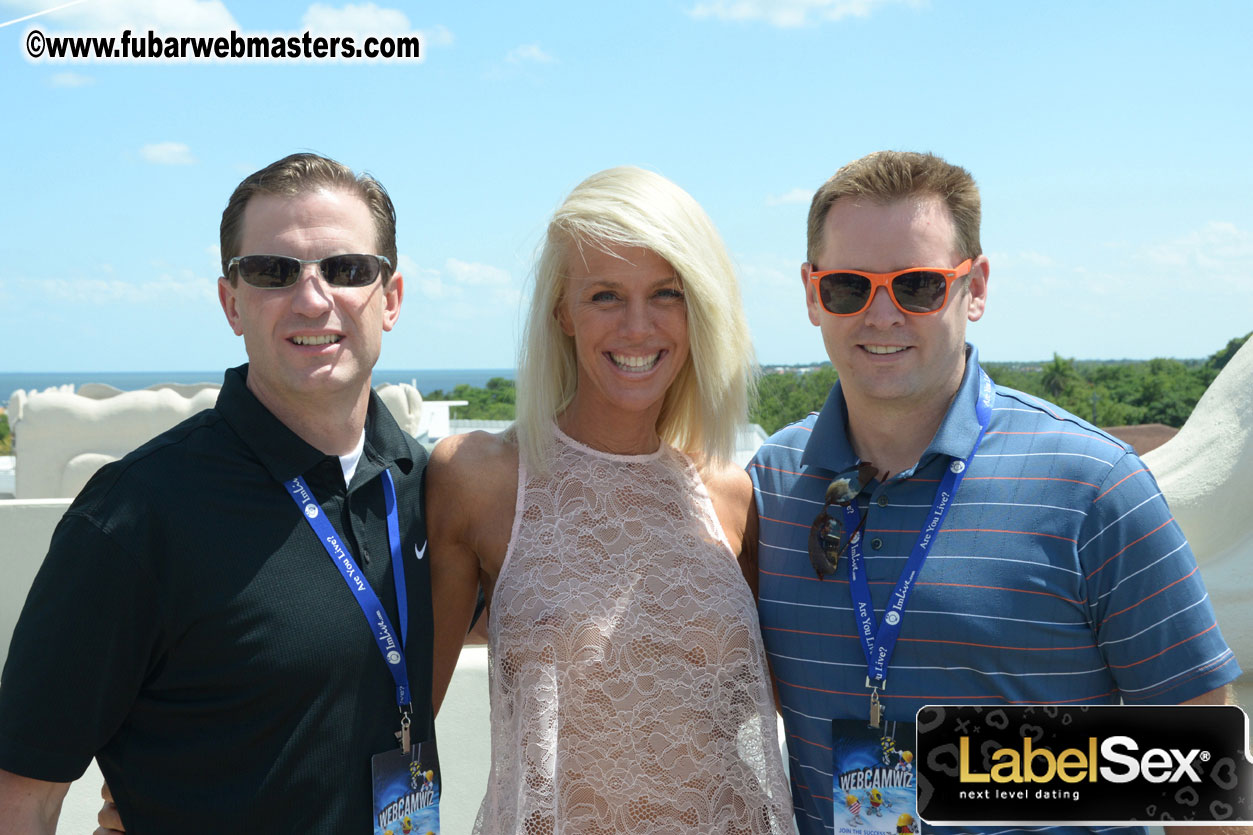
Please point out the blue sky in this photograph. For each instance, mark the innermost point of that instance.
(1110, 141)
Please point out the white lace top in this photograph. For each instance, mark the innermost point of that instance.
(629, 689)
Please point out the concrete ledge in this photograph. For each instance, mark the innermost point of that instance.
(463, 728)
(26, 527)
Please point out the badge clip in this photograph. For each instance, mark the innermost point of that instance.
(876, 707)
(402, 735)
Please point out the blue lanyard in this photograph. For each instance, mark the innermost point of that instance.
(879, 644)
(390, 643)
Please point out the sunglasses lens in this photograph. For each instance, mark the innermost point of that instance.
(268, 271)
(844, 293)
(271, 272)
(824, 545)
(350, 270)
(921, 291)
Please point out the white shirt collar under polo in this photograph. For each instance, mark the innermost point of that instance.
(348, 463)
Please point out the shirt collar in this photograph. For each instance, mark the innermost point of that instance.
(385, 443)
(960, 428)
(285, 455)
(828, 447)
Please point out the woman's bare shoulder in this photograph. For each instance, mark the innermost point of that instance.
(472, 465)
(475, 449)
(727, 484)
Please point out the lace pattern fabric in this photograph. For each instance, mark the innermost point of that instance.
(629, 689)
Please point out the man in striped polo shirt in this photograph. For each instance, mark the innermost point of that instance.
(1058, 575)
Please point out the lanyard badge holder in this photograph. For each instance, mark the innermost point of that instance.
(406, 779)
(873, 776)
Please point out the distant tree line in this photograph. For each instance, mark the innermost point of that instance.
(1108, 393)
(495, 402)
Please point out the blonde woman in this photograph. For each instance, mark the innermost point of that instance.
(613, 538)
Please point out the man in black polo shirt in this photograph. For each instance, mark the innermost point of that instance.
(191, 627)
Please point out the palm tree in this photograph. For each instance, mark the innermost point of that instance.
(1059, 375)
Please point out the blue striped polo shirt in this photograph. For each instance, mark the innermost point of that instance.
(1059, 577)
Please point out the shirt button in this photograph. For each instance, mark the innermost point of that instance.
(876, 543)
(883, 500)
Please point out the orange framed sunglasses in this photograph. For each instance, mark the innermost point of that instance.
(917, 291)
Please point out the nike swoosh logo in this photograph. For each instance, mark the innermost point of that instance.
(421, 552)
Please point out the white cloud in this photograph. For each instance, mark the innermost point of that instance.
(769, 274)
(172, 16)
(1217, 251)
(791, 13)
(94, 291)
(365, 19)
(529, 52)
(473, 274)
(437, 35)
(1039, 259)
(462, 288)
(424, 280)
(167, 153)
(796, 195)
(1022, 258)
(369, 19)
(70, 79)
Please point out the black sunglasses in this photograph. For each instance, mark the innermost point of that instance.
(273, 272)
(826, 534)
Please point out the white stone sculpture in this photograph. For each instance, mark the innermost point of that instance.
(62, 438)
(1206, 474)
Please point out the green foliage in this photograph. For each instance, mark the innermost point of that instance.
(1105, 393)
(1119, 393)
(790, 395)
(6, 436)
(1060, 378)
(1220, 359)
(495, 402)
(1169, 391)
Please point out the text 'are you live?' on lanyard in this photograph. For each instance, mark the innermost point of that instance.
(390, 642)
(878, 644)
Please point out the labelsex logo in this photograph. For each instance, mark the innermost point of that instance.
(1097, 764)
(1039, 765)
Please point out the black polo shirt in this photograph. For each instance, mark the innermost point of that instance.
(189, 630)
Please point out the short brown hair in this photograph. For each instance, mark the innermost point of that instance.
(891, 175)
(301, 174)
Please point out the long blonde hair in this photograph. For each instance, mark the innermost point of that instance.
(710, 397)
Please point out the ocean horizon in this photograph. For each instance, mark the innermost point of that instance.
(425, 380)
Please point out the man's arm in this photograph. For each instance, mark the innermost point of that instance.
(29, 807)
(1146, 591)
(1218, 696)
